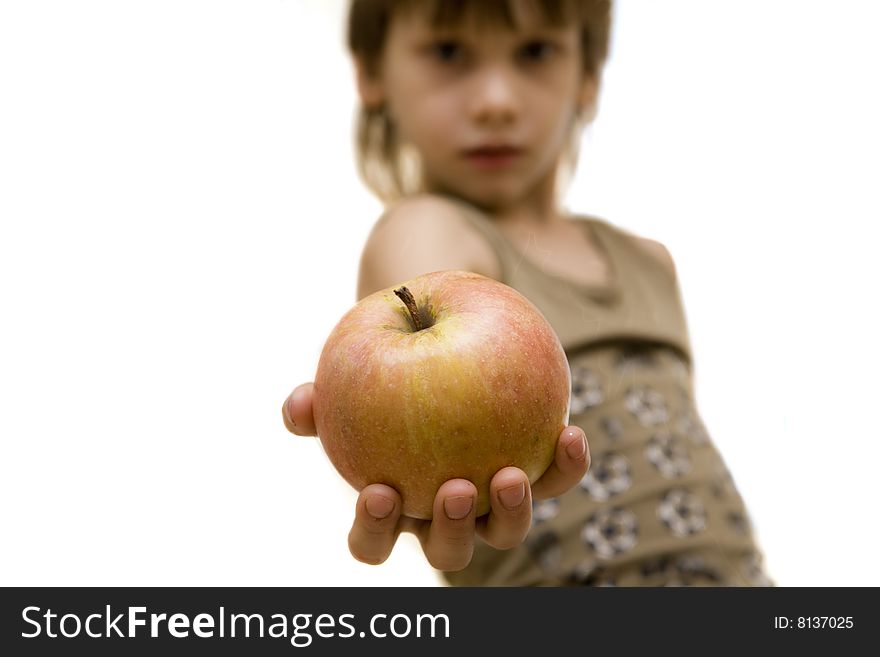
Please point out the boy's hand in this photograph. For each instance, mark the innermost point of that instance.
(448, 539)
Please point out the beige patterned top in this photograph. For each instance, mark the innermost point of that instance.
(658, 506)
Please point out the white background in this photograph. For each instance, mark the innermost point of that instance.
(181, 225)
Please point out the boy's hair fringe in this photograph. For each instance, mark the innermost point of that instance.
(390, 169)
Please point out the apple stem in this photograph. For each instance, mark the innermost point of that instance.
(406, 296)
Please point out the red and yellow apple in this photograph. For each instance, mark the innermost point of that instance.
(450, 374)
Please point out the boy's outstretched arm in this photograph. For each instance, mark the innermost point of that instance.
(415, 236)
(448, 539)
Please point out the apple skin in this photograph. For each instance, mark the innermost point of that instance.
(487, 386)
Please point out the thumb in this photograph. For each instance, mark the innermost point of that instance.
(297, 411)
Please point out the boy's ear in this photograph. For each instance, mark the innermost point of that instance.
(588, 97)
(370, 88)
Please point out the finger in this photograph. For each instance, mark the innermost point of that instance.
(570, 465)
(508, 522)
(374, 530)
(297, 411)
(449, 541)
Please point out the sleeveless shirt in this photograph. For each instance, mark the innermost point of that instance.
(641, 301)
(658, 505)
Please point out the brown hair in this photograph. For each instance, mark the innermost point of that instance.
(383, 163)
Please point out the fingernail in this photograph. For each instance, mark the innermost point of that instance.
(288, 415)
(576, 449)
(379, 507)
(512, 496)
(458, 507)
(294, 396)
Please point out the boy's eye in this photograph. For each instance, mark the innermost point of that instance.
(536, 51)
(447, 51)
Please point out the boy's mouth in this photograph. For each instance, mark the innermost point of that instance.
(492, 156)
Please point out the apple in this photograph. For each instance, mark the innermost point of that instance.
(447, 375)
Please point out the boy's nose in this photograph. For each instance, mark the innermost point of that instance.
(494, 99)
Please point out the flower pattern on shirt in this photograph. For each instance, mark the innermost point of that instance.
(647, 405)
(609, 475)
(668, 453)
(586, 389)
(655, 476)
(610, 532)
(682, 512)
(544, 510)
(546, 550)
(738, 522)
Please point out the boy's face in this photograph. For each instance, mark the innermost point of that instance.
(451, 91)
